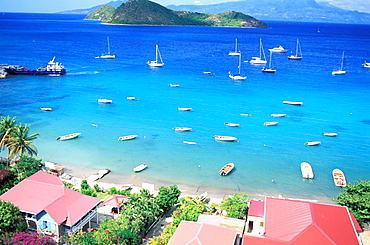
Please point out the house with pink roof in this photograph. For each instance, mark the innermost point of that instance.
(278, 221)
(49, 207)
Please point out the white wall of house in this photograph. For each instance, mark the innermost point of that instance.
(255, 226)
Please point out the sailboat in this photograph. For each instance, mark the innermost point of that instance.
(269, 70)
(236, 52)
(298, 53)
(158, 62)
(340, 71)
(107, 55)
(237, 76)
(259, 60)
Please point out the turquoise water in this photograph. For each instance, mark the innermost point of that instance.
(331, 103)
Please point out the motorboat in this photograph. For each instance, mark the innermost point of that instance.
(128, 137)
(139, 168)
(292, 102)
(184, 108)
(225, 138)
(68, 137)
(366, 65)
(339, 178)
(189, 142)
(181, 129)
(207, 72)
(232, 124)
(306, 170)
(278, 115)
(106, 101)
(312, 143)
(225, 170)
(279, 49)
(131, 98)
(46, 108)
(174, 85)
(270, 123)
(330, 134)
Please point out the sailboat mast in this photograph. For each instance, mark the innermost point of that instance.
(108, 45)
(341, 65)
(270, 60)
(296, 49)
(156, 53)
(236, 45)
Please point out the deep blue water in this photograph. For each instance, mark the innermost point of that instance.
(331, 103)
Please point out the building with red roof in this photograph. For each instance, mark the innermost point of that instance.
(51, 208)
(281, 221)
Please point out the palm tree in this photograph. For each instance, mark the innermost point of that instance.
(18, 142)
(6, 124)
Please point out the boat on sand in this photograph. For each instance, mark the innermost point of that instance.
(225, 170)
(225, 138)
(69, 136)
(139, 168)
(128, 137)
(339, 178)
(306, 170)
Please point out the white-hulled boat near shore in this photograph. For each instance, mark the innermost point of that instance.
(292, 102)
(339, 178)
(69, 136)
(312, 143)
(366, 65)
(139, 168)
(278, 115)
(225, 170)
(46, 108)
(232, 124)
(306, 170)
(280, 49)
(128, 137)
(225, 138)
(270, 123)
(181, 129)
(184, 108)
(106, 101)
(330, 134)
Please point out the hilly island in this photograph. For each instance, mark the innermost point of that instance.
(145, 12)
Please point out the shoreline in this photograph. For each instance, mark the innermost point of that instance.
(216, 195)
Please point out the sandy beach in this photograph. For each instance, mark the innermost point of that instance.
(215, 195)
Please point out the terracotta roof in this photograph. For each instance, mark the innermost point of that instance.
(43, 191)
(298, 222)
(193, 233)
(116, 200)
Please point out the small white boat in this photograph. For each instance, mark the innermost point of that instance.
(225, 138)
(330, 134)
(128, 137)
(236, 52)
(366, 65)
(139, 168)
(69, 136)
(280, 49)
(340, 70)
(306, 170)
(298, 53)
(189, 142)
(131, 98)
(261, 59)
(107, 55)
(232, 124)
(202, 197)
(225, 170)
(158, 62)
(292, 102)
(46, 108)
(181, 129)
(270, 123)
(174, 85)
(339, 178)
(312, 143)
(184, 108)
(245, 114)
(106, 101)
(207, 72)
(278, 115)
(126, 187)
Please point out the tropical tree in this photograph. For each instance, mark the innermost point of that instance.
(167, 197)
(236, 206)
(18, 141)
(10, 218)
(27, 166)
(6, 124)
(357, 198)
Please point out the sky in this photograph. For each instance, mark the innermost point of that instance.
(52, 6)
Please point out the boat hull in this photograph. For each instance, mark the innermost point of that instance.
(225, 138)
(339, 178)
(306, 170)
(14, 71)
(69, 136)
(139, 168)
(225, 170)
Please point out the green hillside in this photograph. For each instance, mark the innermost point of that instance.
(145, 12)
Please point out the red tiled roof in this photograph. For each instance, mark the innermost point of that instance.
(193, 233)
(298, 222)
(256, 208)
(43, 191)
(116, 200)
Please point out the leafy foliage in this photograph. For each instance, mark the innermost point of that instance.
(27, 166)
(167, 197)
(10, 218)
(357, 198)
(101, 13)
(236, 206)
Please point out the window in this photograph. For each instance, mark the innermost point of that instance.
(261, 224)
(44, 225)
(250, 226)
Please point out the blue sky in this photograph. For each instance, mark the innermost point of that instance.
(52, 6)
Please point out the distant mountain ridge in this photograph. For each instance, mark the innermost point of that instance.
(283, 10)
(145, 12)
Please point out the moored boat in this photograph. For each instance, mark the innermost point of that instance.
(181, 129)
(107, 55)
(46, 108)
(279, 49)
(236, 52)
(225, 138)
(306, 170)
(312, 143)
(330, 134)
(131, 98)
(184, 108)
(174, 85)
(106, 101)
(52, 68)
(366, 65)
(270, 123)
(139, 168)
(339, 178)
(128, 137)
(189, 142)
(278, 115)
(225, 170)
(158, 62)
(298, 53)
(292, 102)
(68, 137)
(339, 71)
(232, 124)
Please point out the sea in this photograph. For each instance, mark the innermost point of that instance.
(267, 159)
